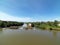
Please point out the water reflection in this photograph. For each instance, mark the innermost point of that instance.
(54, 34)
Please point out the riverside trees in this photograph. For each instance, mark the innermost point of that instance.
(46, 25)
(10, 23)
(41, 25)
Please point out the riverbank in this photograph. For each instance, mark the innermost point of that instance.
(49, 25)
(11, 27)
(51, 28)
(57, 29)
(0, 29)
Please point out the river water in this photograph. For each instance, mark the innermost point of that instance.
(29, 37)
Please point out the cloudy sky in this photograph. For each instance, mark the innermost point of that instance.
(29, 10)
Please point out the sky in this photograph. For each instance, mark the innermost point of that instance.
(29, 10)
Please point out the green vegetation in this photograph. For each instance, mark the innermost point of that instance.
(0, 29)
(47, 25)
(41, 25)
(4, 24)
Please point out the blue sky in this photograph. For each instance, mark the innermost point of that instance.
(30, 10)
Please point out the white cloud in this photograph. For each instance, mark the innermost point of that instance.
(6, 17)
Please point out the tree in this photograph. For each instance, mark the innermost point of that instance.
(50, 23)
(0, 23)
(56, 23)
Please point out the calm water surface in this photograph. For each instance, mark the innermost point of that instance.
(29, 37)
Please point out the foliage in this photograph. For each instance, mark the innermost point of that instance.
(9, 23)
(41, 25)
(46, 25)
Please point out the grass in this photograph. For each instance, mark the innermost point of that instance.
(47, 27)
(0, 29)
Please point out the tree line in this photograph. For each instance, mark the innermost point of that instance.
(10, 23)
(41, 25)
(46, 25)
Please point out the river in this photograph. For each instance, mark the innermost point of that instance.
(29, 37)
